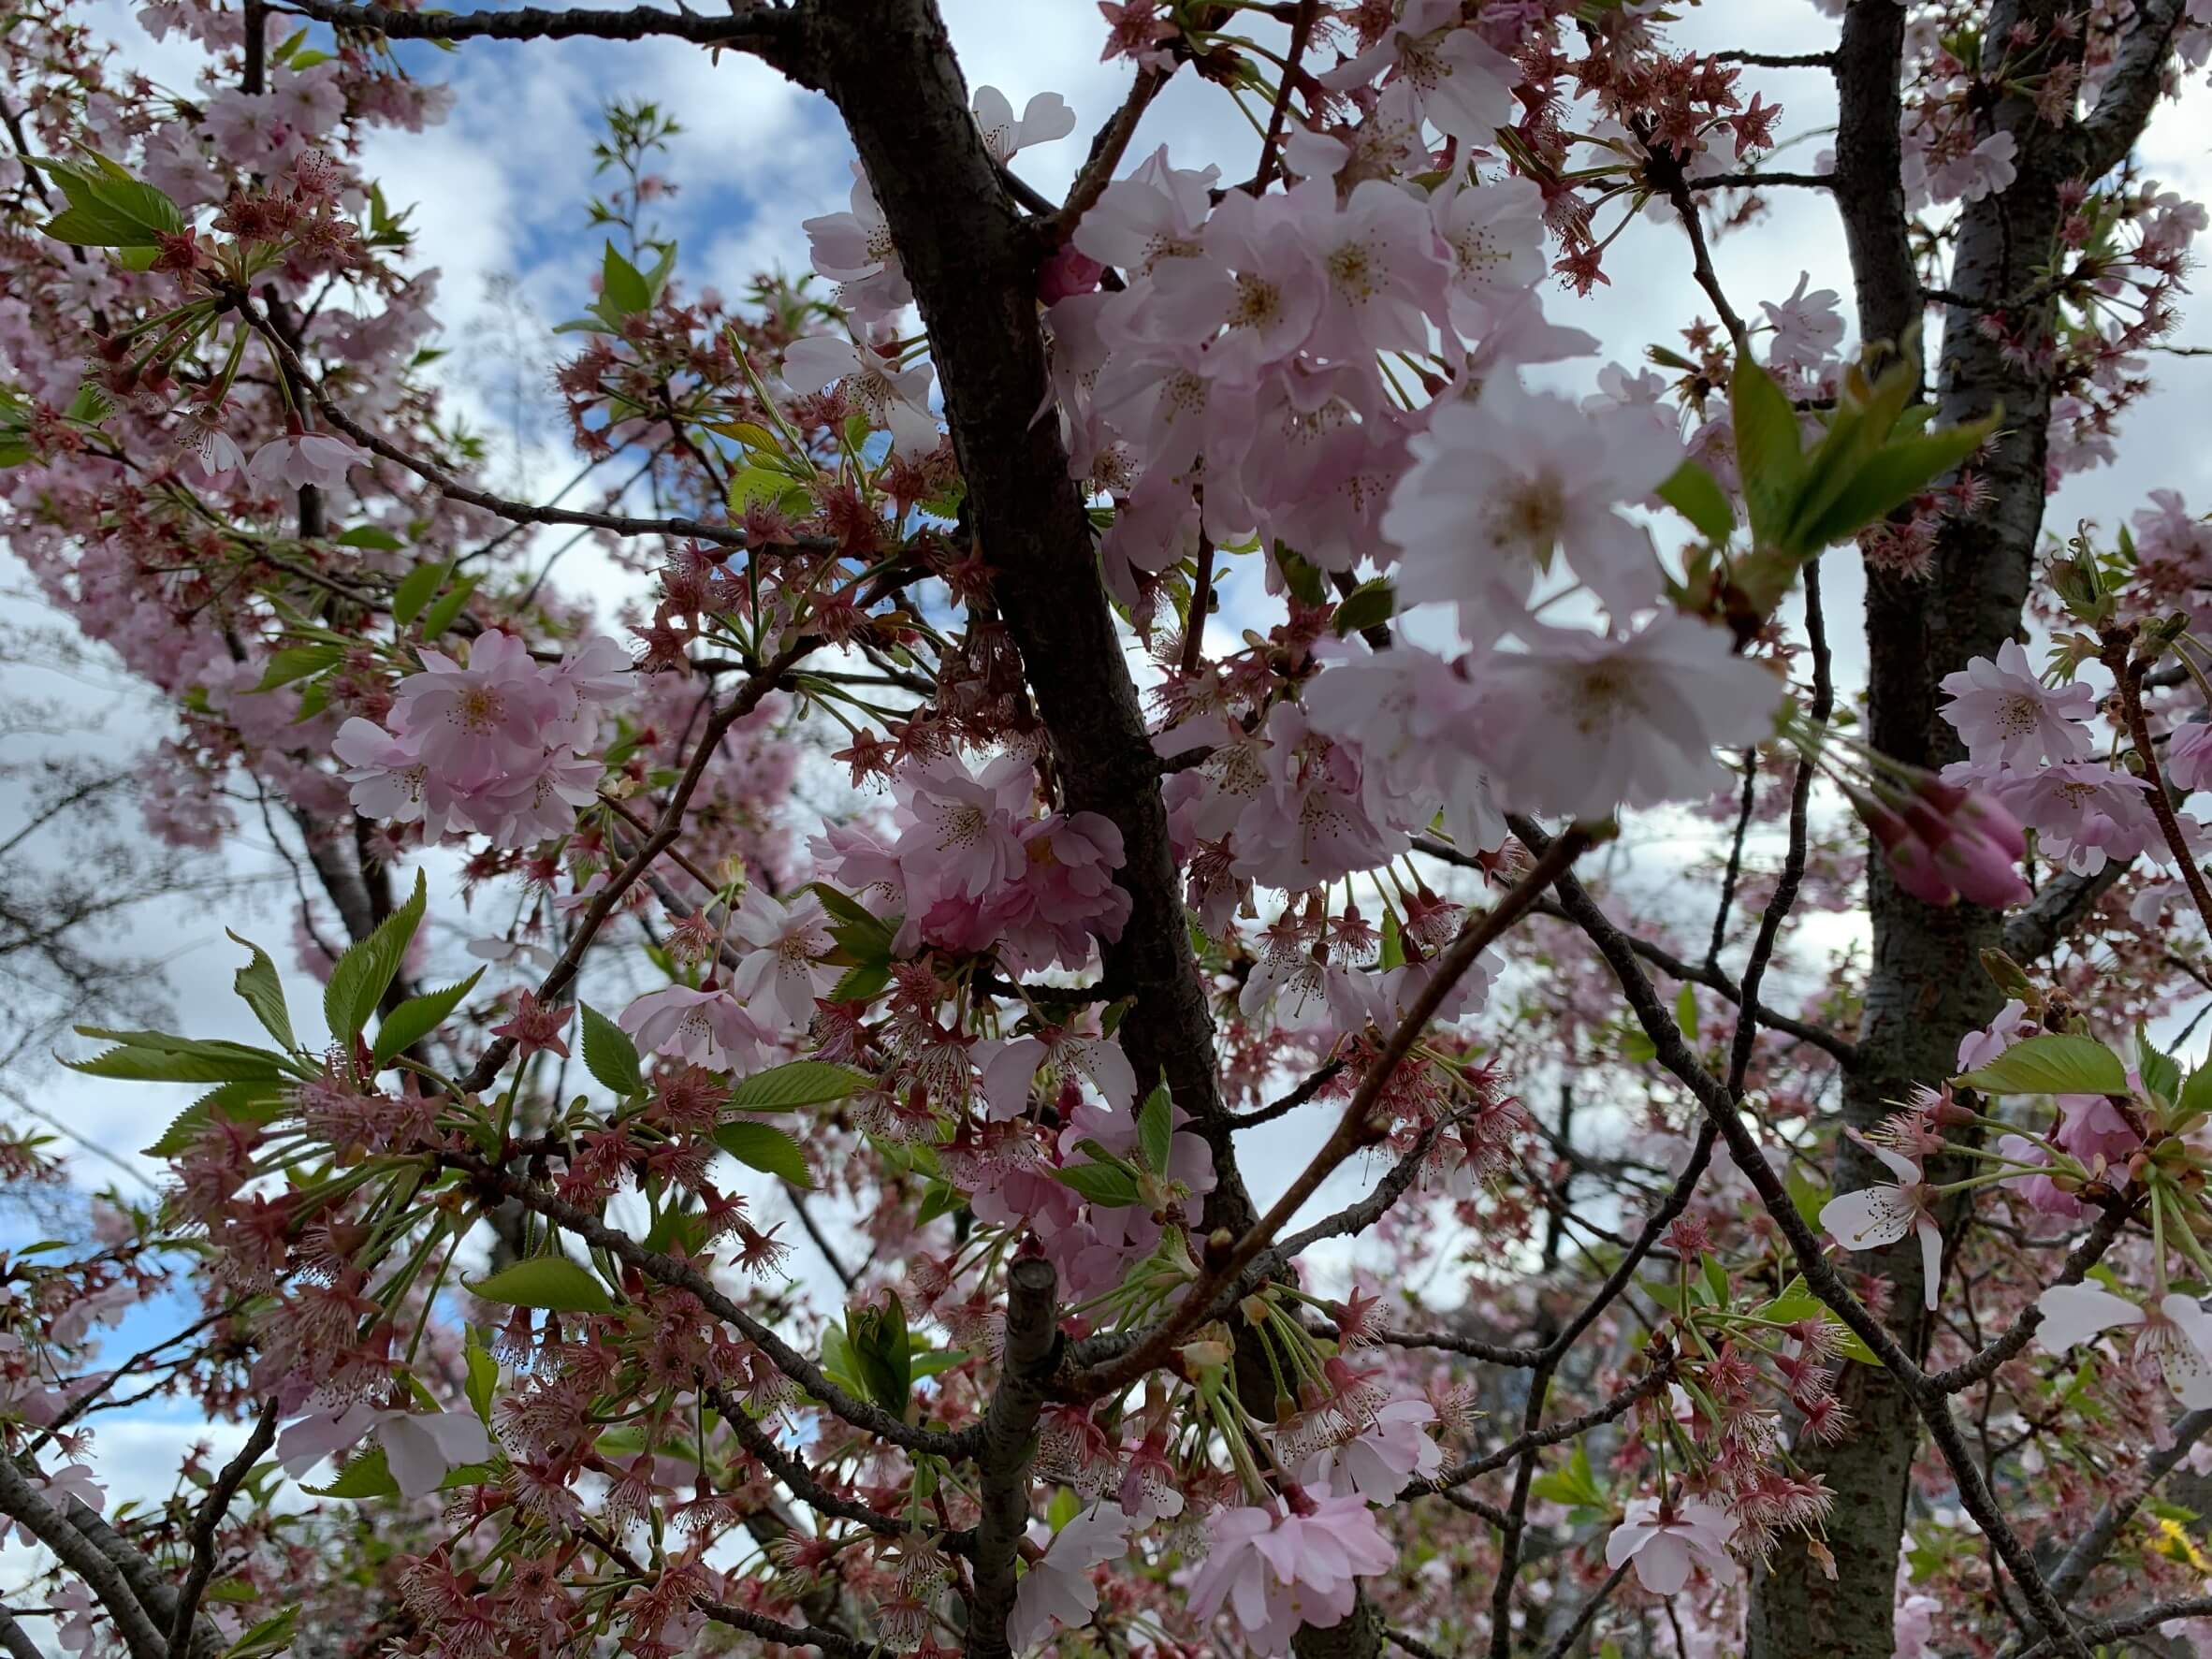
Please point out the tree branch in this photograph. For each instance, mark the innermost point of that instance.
(1008, 1447)
(211, 1511)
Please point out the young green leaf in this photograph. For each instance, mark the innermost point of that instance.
(622, 286)
(545, 1281)
(415, 589)
(2053, 1064)
(257, 984)
(609, 1055)
(366, 971)
(483, 1376)
(365, 1476)
(1156, 1130)
(417, 1017)
(1769, 450)
(1693, 492)
(766, 1148)
(801, 1083)
(1102, 1184)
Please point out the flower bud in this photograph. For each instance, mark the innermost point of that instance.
(1978, 868)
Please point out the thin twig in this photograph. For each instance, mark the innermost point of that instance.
(212, 1509)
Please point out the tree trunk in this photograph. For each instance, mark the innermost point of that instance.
(1927, 987)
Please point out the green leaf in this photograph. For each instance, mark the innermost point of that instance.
(861, 982)
(1373, 602)
(1393, 942)
(1065, 1506)
(378, 539)
(365, 1476)
(883, 1353)
(802, 1082)
(416, 589)
(1304, 579)
(2160, 1071)
(1716, 1281)
(2053, 1064)
(297, 663)
(1156, 1130)
(272, 1635)
(609, 1055)
(254, 1102)
(1575, 1486)
(483, 1376)
(1686, 1012)
(1101, 1183)
(110, 209)
(937, 1199)
(545, 1281)
(766, 1148)
(1769, 454)
(1887, 479)
(203, 1063)
(439, 616)
(622, 286)
(1693, 492)
(417, 1017)
(257, 983)
(2196, 1097)
(365, 972)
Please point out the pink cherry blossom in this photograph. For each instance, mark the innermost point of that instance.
(2006, 714)
(2175, 1334)
(304, 459)
(891, 398)
(1283, 1564)
(1056, 1592)
(780, 975)
(706, 1027)
(1503, 485)
(1043, 119)
(1580, 724)
(853, 250)
(1459, 84)
(1392, 1446)
(1009, 1068)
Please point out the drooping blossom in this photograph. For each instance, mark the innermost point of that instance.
(1056, 1592)
(2174, 1333)
(419, 1447)
(1667, 1542)
(1288, 1563)
(1044, 118)
(891, 398)
(1876, 1217)
(304, 459)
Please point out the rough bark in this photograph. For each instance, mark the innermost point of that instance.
(1010, 1448)
(1926, 988)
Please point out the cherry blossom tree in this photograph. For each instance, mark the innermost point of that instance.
(1256, 631)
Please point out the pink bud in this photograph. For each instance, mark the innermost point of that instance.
(1978, 867)
(1065, 274)
(1916, 870)
(1984, 817)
